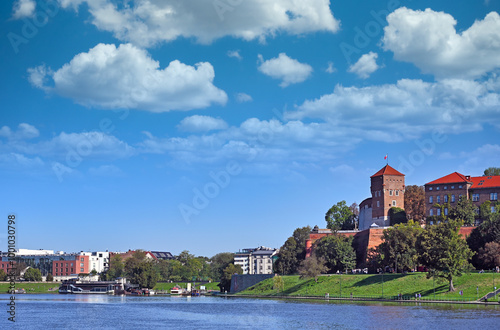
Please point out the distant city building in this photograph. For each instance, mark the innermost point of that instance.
(130, 253)
(388, 190)
(449, 189)
(162, 255)
(98, 261)
(256, 261)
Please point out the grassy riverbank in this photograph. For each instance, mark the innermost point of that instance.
(32, 287)
(371, 286)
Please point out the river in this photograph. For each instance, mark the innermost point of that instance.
(53, 311)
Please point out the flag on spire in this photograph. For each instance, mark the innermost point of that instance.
(385, 156)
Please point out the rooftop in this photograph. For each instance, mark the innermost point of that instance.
(485, 181)
(454, 177)
(387, 170)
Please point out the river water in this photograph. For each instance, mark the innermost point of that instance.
(55, 311)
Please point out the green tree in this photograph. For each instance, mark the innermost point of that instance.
(337, 252)
(49, 278)
(340, 217)
(278, 283)
(415, 203)
(3, 275)
(465, 211)
(312, 267)
(32, 274)
(116, 267)
(229, 271)
(488, 231)
(93, 272)
(397, 215)
(292, 252)
(218, 263)
(490, 255)
(490, 171)
(399, 246)
(443, 251)
(143, 274)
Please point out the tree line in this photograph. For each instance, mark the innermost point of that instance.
(184, 267)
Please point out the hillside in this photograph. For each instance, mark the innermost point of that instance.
(371, 286)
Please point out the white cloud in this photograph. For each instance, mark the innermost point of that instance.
(92, 145)
(365, 66)
(243, 97)
(14, 160)
(235, 54)
(429, 40)
(127, 77)
(406, 109)
(146, 23)
(198, 123)
(330, 68)
(289, 70)
(342, 169)
(24, 131)
(23, 8)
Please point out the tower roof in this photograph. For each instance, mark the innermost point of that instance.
(387, 170)
(454, 177)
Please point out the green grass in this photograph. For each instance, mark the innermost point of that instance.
(168, 286)
(31, 287)
(371, 286)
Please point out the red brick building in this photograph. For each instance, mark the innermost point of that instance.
(80, 264)
(449, 189)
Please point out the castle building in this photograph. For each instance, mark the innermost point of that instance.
(449, 189)
(388, 189)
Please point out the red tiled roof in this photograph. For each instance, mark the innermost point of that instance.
(387, 170)
(454, 177)
(485, 181)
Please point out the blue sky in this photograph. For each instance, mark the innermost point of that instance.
(212, 126)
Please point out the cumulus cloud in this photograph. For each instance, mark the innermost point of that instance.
(243, 97)
(429, 40)
(198, 123)
(14, 160)
(93, 144)
(235, 54)
(127, 77)
(365, 66)
(146, 23)
(406, 109)
(288, 70)
(23, 132)
(23, 8)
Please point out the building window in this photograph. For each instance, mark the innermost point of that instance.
(493, 196)
(475, 197)
(492, 209)
(393, 203)
(82, 259)
(437, 188)
(453, 198)
(445, 211)
(397, 192)
(460, 187)
(438, 211)
(390, 192)
(452, 187)
(430, 199)
(81, 270)
(438, 199)
(445, 187)
(430, 188)
(446, 198)
(81, 264)
(71, 264)
(378, 203)
(431, 213)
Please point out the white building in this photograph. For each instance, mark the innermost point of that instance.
(256, 261)
(98, 261)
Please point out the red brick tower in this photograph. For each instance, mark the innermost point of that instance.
(388, 190)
